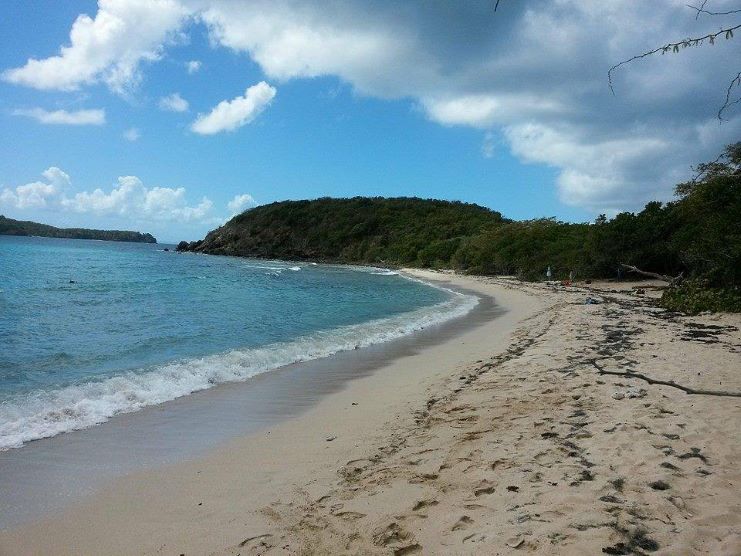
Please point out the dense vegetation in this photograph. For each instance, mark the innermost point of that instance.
(359, 230)
(697, 236)
(10, 227)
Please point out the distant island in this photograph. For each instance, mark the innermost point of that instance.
(10, 227)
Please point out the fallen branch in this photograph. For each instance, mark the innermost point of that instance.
(672, 280)
(686, 389)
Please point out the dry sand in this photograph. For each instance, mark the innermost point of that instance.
(505, 439)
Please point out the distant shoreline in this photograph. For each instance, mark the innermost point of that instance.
(27, 228)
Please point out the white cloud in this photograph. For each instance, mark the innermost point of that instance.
(106, 48)
(193, 66)
(240, 202)
(37, 194)
(173, 103)
(132, 134)
(56, 177)
(31, 195)
(530, 71)
(229, 115)
(132, 199)
(531, 65)
(129, 199)
(63, 117)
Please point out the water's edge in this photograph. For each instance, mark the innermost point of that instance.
(44, 414)
(46, 475)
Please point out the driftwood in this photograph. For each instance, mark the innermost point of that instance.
(672, 280)
(686, 389)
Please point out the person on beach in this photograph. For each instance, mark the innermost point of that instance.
(548, 273)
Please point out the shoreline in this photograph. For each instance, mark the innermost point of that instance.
(505, 437)
(106, 396)
(343, 369)
(34, 485)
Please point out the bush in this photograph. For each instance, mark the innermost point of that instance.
(696, 296)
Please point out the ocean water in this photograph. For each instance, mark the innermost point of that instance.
(91, 329)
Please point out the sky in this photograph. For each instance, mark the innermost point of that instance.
(171, 116)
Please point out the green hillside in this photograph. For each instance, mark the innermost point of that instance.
(358, 230)
(697, 236)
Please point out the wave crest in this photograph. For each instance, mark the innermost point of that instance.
(42, 414)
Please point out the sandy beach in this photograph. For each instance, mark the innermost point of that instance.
(514, 436)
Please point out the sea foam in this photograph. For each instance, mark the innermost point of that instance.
(46, 413)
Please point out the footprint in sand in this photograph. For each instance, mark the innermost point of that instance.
(424, 504)
(462, 523)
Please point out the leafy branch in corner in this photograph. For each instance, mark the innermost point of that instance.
(726, 32)
(674, 47)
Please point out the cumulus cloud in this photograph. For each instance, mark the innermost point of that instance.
(534, 73)
(128, 198)
(63, 117)
(193, 66)
(106, 48)
(240, 202)
(31, 195)
(229, 115)
(132, 134)
(37, 194)
(173, 103)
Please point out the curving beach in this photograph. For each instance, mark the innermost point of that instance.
(503, 436)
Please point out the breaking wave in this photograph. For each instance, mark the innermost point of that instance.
(44, 413)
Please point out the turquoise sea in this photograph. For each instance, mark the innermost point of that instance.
(91, 329)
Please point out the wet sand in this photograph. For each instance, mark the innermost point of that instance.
(48, 475)
(512, 436)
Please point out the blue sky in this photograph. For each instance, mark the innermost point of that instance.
(508, 110)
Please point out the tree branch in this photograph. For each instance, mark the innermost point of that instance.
(735, 82)
(674, 46)
(686, 389)
(702, 10)
(670, 279)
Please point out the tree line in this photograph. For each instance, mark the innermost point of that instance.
(696, 236)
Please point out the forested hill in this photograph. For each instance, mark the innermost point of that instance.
(11, 227)
(357, 230)
(697, 236)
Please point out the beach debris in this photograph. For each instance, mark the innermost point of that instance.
(618, 395)
(592, 301)
(631, 374)
(635, 393)
(610, 499)
(330, 438)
